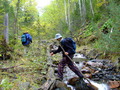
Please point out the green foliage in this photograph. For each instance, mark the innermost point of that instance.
(98, 15)
(110, 42)
(5, 83)
(107, 24)
(89, 31)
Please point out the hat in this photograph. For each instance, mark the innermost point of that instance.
(57, 36)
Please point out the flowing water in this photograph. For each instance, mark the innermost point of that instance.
(69, 74)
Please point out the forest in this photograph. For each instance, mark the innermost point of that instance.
(93, 24)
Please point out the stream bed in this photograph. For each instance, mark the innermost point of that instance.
(99, 72)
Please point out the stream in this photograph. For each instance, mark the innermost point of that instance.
(70, 74)
(100, 74)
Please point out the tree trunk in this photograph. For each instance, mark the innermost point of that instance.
(84, 11)
(69, 19)
(80, 8)
(91, 7)
(16, 21)
(6, 37)
(66, 18)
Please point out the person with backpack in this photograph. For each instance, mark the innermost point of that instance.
(68, 47)
(26, 40)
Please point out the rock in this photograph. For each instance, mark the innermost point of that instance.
(85, 71)
(24, 85)
(56, 70)
(72, 81)
(80, 84)
(88, 75)
(88, 70)
(96, 79)
(94, 64)
(61, 86)
(114, 84)
(79, 57)
(34, 88)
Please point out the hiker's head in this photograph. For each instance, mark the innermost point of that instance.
(25, 31)
(58, 36)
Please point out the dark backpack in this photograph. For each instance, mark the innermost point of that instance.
(23, 38)
(73, 44)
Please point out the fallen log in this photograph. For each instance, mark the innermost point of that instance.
(50, 80)
(52, 83)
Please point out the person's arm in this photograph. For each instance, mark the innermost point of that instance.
(58, 50)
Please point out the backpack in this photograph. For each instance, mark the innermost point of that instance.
(23, 38)
(73, 44)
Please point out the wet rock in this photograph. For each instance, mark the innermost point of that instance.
(72, 81)
(78, 57)
(56, 70)
(118, 76)
(88, 75)
(96, 79)
(114, 84)
(94, 64)
(85, 71)
(80, 84)
(77, 62)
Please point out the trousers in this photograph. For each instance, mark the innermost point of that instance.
(66, 61)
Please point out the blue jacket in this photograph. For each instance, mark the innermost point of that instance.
(29, 39)
(67, 46)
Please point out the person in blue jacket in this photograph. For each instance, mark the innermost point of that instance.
(68, 50)
(26, 40)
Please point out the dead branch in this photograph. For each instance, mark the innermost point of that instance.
(4, 69)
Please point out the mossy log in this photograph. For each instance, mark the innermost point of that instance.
(52, 83)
